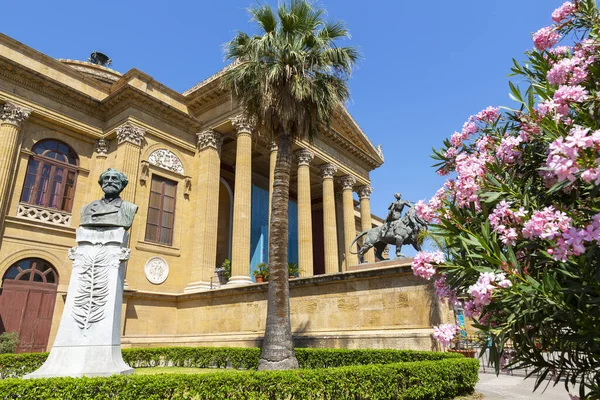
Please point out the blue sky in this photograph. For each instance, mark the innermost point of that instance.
(427, 65)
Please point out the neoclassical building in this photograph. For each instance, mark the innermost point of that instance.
(201, 175)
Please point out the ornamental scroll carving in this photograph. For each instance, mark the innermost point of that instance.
(347, 182)
(328, 171)
(166, 159)
(13, 114)
(102, 147)
(304, 156)
(130, 133)
(364, 192)
(243, 124)
(210, 138)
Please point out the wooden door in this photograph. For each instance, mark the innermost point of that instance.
(27, 305)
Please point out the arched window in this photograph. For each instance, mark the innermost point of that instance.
(51, 176)
(32, 270)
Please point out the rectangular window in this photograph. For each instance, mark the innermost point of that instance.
(161, 211)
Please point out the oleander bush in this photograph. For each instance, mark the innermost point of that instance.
(441, 378)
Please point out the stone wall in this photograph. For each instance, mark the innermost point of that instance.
(372, 308)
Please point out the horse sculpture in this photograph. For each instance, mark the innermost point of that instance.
(403, 231)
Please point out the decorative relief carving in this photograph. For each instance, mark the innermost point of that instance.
(144, 171)
(35, 213)
(304, 156)
(380, 151)
(93, 286)
(13, 114)
(156, 270)
(347, 182)
(102, 147)
(274, 147)
(243, 124)
(210, 138)
(187, 187)
(364, 192)
(130, 133)
(328, 171)
(166, 159)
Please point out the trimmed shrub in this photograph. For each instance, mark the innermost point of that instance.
(8, 342)
(15, 365)
(441, 379)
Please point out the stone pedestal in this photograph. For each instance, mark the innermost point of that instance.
(88, 341)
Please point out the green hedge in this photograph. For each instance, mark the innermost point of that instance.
(441, 379)
(15, 365)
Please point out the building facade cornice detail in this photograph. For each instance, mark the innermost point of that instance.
(364, 191)
(130, 133)
(166, 159)
(243, 125)
(102, 147)
(304, 156)
(328, 171)
(210, 138)
(347, 182)
(12, 114)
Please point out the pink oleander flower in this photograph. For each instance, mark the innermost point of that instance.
(566, 94)
(545, 38)
(502, 281)
(472, 309)
(424, 211)
(445, 333)
(482, 290)
(508, 150)
(503, 221)
(548, 223)
(422, 264)
(560, 50)
(484, 144)
(568, 70)
(470, 169)
(469, 128)
(488, 115)
(445, 292)
(563, 12)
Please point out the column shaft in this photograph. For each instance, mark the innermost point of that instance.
(206, 217)
(329, 226)
(349, 222)
(305, 239)
(242, 202)
(11, 119)
(129, 138)
(365, 217)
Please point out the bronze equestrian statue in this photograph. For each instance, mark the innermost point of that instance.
(397, 230)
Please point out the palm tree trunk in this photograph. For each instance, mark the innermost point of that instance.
(278, 348)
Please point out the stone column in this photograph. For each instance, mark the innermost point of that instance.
(11, 120)
(206, 216)
(129, 144)
(102, 148)
(272, 162)
(364, 193)
(347, 183)
(330, 231)
(242, 198)
(305, 239)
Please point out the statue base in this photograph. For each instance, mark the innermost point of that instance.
(88, 341)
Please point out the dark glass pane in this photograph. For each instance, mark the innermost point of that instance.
(42, 266)
(42, 187)
(168, 204)
(153, 215)
(167, 220)
(165, 236)
(170, 188)
(25, 276)
(29, 183)
(154, 200)
(26, 263)
(12, 272)
(57, 188)
(156, 184)
(56, 150)
(151, 233)
(51, 277)
(38, 278)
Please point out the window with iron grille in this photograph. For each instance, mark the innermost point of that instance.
(161, 211)
(51, 176)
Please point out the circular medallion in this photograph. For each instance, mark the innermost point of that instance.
(156, 270)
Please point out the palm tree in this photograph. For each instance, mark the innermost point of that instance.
(289, 80)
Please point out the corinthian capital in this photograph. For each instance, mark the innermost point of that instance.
(328, 171)
(304, 156)
(102, 147)
(13, 114)
(210, 138)
(364, 192)
(243, 124)
(130, 133)
(347, 182)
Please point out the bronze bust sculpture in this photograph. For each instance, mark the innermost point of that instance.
(110, 211)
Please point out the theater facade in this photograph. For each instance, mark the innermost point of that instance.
(201, 176)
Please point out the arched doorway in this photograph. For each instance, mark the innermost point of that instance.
(27, 302)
